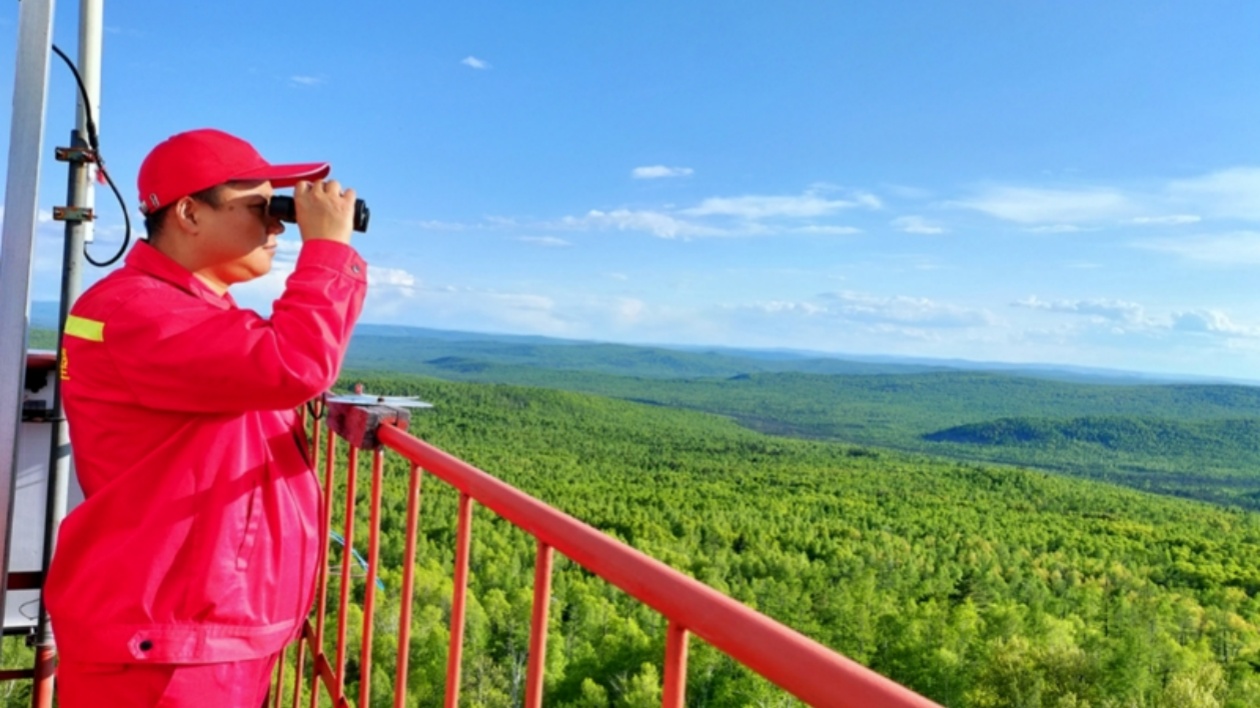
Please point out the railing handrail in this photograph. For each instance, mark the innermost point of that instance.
(809, 670)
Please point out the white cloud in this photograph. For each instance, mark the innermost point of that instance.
(654, 222)
(547, 241)
(629, 310)
(1225, 194)
(1116, 310)
(902, 309)
(870, 201)
(287, 249)
(1054, 229)
(1119, 317)
(660, 171)
(1170, 220)
(757, 207)
(1050, 206)
(306, 80)
(1238, 248)
(582, 315)
(1212, 322)
(822, 230)
(917, 225)
(434, 225)
(475, 63)
(1231, 193)
(393, 280)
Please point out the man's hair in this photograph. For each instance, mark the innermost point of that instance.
(153, 222)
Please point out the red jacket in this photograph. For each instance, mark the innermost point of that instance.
(200, 532)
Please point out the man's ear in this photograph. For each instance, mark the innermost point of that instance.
(185, 212)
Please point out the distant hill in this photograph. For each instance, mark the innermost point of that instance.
(1181, 439)
(429, 351)
(415, 350)
(1203, 439)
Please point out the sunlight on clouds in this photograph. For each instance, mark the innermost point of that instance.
(475, 63)
(301, 81)
(1057, 206)
(660, 171)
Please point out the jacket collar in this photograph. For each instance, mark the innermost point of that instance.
(154, 263)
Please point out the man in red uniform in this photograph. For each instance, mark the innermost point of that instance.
(191, 562)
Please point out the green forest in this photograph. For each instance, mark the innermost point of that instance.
(986, 538)
(975, 584)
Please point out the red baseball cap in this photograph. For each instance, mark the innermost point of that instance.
(189, 162)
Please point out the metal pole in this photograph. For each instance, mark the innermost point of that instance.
(79, 193)
(21, 201)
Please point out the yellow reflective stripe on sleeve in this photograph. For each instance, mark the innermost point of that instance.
(84, 328)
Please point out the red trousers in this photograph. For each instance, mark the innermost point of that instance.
(241, 684)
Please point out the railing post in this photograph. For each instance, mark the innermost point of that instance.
(463, 539)
(408, 588)
(369, 590)
(277, 685)
(347, 562)
(675, 690)
(538, 628)
(44, 673)
(321, 607)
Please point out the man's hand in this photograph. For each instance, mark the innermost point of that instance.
(324, 212)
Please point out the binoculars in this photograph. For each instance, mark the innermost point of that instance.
(284, 209)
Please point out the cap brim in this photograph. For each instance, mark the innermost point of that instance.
(282, 176)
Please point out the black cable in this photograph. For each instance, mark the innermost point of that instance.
(95, 143)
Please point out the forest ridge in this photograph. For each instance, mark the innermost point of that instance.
(1191, 439)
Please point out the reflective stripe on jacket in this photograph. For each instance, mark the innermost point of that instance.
(199, 534)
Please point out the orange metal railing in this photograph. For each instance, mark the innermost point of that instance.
(801, 666)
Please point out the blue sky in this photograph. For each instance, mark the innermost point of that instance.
(1057, 182)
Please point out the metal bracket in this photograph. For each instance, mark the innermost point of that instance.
(358, 423)
(61, 213)
(77, 155)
